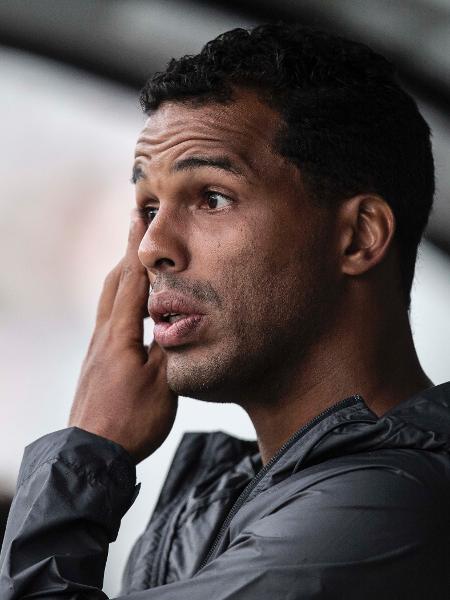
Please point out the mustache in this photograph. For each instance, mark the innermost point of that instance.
(202, 291)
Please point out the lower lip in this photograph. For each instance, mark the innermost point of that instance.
(175, 334)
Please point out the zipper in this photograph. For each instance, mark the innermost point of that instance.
(275, 458)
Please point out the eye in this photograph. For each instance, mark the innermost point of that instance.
(148, 213)
(217, 200)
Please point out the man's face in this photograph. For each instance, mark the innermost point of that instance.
(232, 233)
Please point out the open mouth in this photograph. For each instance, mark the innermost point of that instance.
(175, 329)
(172, 317)
(177, 319)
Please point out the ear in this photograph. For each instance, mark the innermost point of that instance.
(367, 227)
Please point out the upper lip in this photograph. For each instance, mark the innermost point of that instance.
(163, 303)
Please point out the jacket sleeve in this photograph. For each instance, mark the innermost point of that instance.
(72, 491)
(379, 541)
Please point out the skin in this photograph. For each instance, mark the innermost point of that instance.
(302, 302)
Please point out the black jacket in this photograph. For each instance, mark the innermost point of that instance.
(353, 506)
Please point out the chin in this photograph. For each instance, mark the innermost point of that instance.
(202, 377)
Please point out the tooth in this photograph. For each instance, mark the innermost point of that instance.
(175, 317)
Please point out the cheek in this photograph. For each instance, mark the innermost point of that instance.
(252, 266)
(232, 260)
(256, 258)
(223, 246)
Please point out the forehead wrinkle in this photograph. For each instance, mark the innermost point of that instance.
(190, 154)
(169, 140)
(241, 137)
(207, 127)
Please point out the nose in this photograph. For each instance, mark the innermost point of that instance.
(163, 247)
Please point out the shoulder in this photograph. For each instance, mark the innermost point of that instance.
(358, 508)
(351, 527)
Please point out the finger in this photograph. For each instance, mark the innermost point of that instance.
(131, 298)
(157, 359)
(108, 294)
(110, 287)
(157, 367)
(155, 352)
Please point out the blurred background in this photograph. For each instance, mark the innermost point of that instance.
(70, 71)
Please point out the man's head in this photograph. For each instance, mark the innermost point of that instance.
(323, 168)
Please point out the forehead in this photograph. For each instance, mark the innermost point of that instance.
(245, 128)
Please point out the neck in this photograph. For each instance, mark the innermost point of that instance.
(374, 358)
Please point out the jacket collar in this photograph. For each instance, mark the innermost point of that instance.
(349, 427)
(420, 422)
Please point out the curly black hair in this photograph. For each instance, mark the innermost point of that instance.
(347, 123)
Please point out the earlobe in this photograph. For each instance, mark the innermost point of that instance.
(368, 227)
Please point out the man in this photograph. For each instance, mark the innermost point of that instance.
(283, 182)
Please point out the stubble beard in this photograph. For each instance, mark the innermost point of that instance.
(255, 353)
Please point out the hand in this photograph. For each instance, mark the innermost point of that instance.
(122, 392)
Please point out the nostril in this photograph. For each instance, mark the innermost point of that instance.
(164, 262)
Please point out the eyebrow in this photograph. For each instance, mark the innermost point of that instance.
(137, 174)
(194, 162)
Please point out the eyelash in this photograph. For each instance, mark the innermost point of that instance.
(145, 213)
(148, 213)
